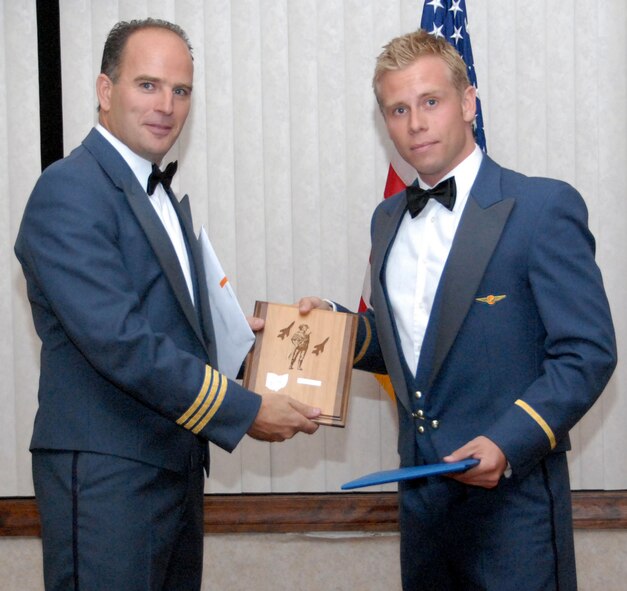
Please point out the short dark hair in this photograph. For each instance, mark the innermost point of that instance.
(118, 36)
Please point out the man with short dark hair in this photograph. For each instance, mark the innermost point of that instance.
(129, 394)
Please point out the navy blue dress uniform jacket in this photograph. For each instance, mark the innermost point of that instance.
(127, 360)
(520, 341)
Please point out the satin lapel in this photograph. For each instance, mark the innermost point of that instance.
(476, 238)
(184, 213)
(386, 230)
(165, 253)
(388, 226)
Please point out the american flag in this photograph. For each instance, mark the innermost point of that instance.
(449, 19)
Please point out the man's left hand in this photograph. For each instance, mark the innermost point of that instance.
(492, 462)
(256, 324)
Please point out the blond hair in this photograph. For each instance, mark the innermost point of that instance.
(406, 49)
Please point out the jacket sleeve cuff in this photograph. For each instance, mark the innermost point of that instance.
(222, 412)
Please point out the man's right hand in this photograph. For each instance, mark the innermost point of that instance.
(280, 417)
(306, 305)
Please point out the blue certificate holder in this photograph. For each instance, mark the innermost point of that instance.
(410, 473)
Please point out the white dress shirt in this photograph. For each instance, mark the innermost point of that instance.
(418, 256)
(159, 200)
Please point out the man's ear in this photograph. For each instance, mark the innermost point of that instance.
(469, 104)
(104, 86)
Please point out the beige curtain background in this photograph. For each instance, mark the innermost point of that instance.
(285, 157)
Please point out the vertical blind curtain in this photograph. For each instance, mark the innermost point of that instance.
(20, 165)
(284, 157)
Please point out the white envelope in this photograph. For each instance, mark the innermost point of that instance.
(234, 338)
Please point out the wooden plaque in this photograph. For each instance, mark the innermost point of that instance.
(308, 357)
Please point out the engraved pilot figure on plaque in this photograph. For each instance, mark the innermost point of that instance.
(300, 340)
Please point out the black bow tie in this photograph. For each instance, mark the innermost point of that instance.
(444, 192)
(165, 177)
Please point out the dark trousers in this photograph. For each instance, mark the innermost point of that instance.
(112, 523)
(515, 537)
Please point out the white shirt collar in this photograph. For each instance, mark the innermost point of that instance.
(140, 166)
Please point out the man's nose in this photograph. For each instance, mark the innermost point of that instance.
(417, 121)
(165, 101)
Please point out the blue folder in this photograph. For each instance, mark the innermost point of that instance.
(409, 473)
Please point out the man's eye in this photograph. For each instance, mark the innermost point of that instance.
(181, 91)
(400, 110)
(147, 85)
(431, 102)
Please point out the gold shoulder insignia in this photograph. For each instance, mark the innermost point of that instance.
(491, 299)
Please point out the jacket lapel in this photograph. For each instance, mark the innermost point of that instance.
(386, 230)
(479, 231)
(184, 213)
(122, 177)
(388, 227)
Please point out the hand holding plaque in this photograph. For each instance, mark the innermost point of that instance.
(308, 357)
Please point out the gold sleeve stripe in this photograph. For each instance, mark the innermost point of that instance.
(201, 396)
(216, 379)
(212, 411)
(538, 419)
(366, 342)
